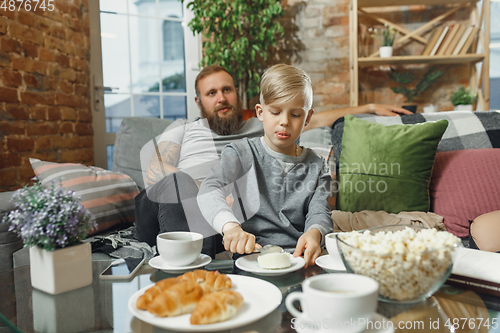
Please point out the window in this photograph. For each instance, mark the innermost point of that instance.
(143, 64)
(173, 40)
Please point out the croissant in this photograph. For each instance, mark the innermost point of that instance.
(209, 280)
(179, 299)
(150, 294)
(216, 307)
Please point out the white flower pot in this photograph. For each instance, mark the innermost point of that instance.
(430, 108)
(58, 271)
(467, 107)
(385, 51)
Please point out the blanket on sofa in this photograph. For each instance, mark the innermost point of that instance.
(466, 129)
(347, 221)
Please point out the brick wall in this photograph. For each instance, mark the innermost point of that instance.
(323, 27)
(44, 89)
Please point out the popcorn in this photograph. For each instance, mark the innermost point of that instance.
(405, 263)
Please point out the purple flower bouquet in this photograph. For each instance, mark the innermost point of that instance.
(49, 217)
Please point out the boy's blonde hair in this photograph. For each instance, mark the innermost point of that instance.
(281, 83)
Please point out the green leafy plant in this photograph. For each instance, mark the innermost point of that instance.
(386, 35)
(406, 78)
(463, 96)
(238, 35)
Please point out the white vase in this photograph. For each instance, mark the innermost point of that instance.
(385, 51)
(431, 108)
(61, 270)
(467, 107)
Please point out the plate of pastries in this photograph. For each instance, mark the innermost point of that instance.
(205, 301)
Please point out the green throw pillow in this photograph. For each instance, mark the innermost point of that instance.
(387, 167)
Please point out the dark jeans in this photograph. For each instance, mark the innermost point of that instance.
(170, 205)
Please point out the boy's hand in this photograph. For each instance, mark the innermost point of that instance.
(237, 240)
(310, 241)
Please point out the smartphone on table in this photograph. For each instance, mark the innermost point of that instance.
(122, 269)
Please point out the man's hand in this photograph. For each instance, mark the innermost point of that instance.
(237, 240)
(387, 110)
(310, 241)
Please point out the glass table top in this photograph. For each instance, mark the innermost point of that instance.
(102, 306)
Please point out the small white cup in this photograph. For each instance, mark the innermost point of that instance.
(179, 248)
(331, 245)
(336, 302)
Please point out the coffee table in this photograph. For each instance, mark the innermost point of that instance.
(102, 306)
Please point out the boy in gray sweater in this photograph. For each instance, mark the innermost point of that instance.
(282, 188)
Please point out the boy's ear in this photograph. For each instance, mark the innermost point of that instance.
(259, 111)
(309, 116)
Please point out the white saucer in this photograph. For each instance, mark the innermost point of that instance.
(158, 263)
(383, 324)
(329, 264)
(250, 264)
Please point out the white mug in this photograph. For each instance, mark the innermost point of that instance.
(337, 302)
(179, 248)
(331, 245)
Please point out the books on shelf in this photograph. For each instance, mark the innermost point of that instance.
(439, 41)
(476, 270)
(451, 40)
(462, 40)
(432, 41)
(447, 40)
(455, 40)
(469, 40)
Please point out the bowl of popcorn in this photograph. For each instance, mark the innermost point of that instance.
(410, 263)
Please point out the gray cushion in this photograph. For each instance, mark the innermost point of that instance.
(318, 139)
(133, 134)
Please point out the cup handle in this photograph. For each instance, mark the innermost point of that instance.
(295, 296)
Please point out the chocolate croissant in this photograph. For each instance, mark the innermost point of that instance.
(216, 307)
(179, 299)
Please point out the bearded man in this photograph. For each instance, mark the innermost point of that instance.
(187, 150)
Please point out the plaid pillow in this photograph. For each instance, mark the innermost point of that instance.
(108, 195)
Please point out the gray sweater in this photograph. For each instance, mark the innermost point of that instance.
(282, 196)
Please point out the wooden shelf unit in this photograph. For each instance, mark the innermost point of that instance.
(475, 81)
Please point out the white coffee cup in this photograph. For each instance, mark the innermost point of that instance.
(337, 302)
(331, 245)
(179, 248)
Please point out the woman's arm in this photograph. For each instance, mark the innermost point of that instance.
(327, 118)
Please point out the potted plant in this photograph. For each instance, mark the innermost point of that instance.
(386, 35)
(238, 35)
(53, 223)
(406, 78)
(463, 99)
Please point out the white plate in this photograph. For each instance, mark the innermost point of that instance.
(158, 263)
(255, 306)
(250, 264)
(303, 326)
(329, 264)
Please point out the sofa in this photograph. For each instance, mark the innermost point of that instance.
(468, 131)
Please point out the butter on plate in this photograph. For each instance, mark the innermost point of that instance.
(277, 260)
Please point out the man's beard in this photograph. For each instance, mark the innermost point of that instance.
(224, 125)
